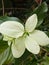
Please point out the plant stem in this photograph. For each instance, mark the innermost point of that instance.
(3, 6)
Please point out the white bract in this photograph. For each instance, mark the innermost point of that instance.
(23, 37)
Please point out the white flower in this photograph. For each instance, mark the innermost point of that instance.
(23, 37)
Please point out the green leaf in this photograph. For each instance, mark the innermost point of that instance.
(6, 18)
(47, 32)
(6, 55)
(41, 12)
(3, 56)
(1, 36)
(41, 8)
(3, 46)
(10, 59)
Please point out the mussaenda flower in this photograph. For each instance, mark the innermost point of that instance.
(23, 37)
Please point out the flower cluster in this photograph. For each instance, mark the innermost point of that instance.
(23, 37)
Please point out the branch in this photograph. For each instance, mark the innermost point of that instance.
(3, 7)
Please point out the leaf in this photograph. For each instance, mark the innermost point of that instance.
(6, 55)
(47, 32)
(3, 56)
(6, 18)
(41, 12)
(10, 59)
(1, 37)
(3, 46)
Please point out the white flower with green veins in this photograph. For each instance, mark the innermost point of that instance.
(23, 37)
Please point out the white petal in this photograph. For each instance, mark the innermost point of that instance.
(12, 29)
(9, 39)
(41, 38)
(9, 43)
(6, 38)
(32, 45)
(18, 48)
(31, 23)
